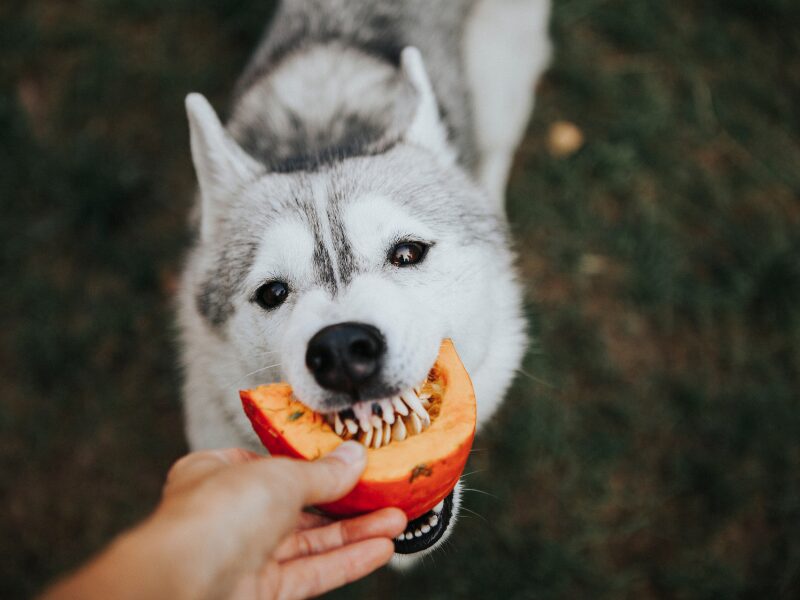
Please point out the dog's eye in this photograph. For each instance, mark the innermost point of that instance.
(272, 294)
(408, 253)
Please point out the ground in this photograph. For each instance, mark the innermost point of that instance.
(650, 448)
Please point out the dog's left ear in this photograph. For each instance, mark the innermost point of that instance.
(426, 128)
(221, 165)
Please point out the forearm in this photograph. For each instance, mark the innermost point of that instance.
(149, 561)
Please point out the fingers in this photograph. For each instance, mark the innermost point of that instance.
(331, 477)
(280, 488)
(312, 576)
(323, 480)
(310, 520)
(386, 523)
(244, 504)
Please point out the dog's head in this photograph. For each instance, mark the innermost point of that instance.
(344, 280)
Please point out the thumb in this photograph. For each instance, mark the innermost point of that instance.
(331, 477)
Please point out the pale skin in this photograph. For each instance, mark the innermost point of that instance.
(231, 525)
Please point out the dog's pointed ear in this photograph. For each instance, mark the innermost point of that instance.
(220, 163)
(426, 128)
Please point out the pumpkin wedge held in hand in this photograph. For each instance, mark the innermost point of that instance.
(418, 442)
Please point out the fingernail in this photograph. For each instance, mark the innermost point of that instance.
(349, 452)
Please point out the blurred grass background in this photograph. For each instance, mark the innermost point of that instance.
(651, 449)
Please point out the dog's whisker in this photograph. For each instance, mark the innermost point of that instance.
(241, 379)
(234, 364)
(472, 472)
(536, 379)
(264, 352)
(251, 373)
(480, 516)
(466, 489)
(253, 355)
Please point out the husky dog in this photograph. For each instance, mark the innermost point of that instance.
(350, 214)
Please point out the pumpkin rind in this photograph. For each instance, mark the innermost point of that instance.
(414, 474)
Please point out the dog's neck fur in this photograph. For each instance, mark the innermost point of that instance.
(321, 104)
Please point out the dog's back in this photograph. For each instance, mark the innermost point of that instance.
(325, 83)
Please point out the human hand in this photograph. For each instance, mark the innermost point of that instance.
(230, 525)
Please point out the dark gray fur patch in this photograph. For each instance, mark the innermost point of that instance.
(380, 28)
(309, 148)
(323, 265)
(344, 251)
(214, 301)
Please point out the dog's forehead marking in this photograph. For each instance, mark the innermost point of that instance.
(316, 209)
(343, 248)
(323, 196)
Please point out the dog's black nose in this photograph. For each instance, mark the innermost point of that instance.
(343, 357)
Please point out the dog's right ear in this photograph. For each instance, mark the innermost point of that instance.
(220, 163)
(426, 128)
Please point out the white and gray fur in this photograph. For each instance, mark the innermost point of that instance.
(338, 146)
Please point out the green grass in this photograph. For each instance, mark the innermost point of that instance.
(651, 450)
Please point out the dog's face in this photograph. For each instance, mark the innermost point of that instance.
(344, 281)
(356, 274)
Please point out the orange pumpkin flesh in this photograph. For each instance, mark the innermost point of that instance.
(413, 474)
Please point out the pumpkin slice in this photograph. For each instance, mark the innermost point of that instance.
(413, 474)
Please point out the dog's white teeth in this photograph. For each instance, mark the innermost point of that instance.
(425, 399)
(363, 414)
(414, 424)
(376, 422)
(338, 426)
(433, 520)
(426, 420)
(399, 430)
(366, 437)
(387, 434)
(425, 528)
(417, 533)
(377, 438)
(399, 407)
(438, 508)
(414, 404)
(388, 411)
